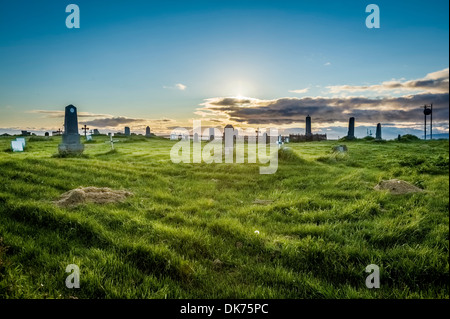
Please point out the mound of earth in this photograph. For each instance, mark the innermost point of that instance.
(397, 186)
(95, 195)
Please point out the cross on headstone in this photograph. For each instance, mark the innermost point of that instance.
(85, 129)
(111, 141)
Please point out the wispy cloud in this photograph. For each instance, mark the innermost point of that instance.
(178, 86)
(301, 91)
(436, 82)
(327, 63)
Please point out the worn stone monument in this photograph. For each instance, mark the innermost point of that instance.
(196, 138)
(70, 138)
(147, 131)
(308, 131)
(127, 131)
(351, 129)
(378, 133)
(16, 146)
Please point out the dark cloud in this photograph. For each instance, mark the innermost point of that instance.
(112, 122)
(327, 110)
(60, 114)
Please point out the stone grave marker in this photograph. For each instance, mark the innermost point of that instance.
(71, 138)
(22, 140)
(16, 146)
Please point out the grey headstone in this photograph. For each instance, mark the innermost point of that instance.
(308, 126)
(340, 148)
(147, 131)
(70, 138)
(196, 139)
(127, 131)
(378, 134)
(351, 128)
(47, 134)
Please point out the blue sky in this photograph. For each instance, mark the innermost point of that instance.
(165, 63)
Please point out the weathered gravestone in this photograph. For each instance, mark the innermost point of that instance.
(340, 149)
(147, 131)
(378, 134)
(71, 138)
(21, 140)
(127, 131)
(196, 138)
(351, 129)
(16, 146)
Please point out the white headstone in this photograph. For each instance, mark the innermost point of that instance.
(22, 140)
(88, 137)
(17, 146)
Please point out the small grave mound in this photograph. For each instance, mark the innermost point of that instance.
(396, 186)
(95, 195)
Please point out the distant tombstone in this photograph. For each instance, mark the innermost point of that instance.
(196, 139)
(47, 134)
(147, 131)
(173, 137)
(96, 132)
(378, 133)
(16, 146)
(211, 133)
(21, 140)
(286, 139)
(340, 149)
(351, 129)
(70, 138)
(399, 137)
(88, 137)
(127, 131)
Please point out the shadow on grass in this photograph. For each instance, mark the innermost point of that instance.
(68, 155)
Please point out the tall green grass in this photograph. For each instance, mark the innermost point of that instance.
(189, 229)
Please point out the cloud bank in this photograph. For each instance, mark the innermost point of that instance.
(288, 110)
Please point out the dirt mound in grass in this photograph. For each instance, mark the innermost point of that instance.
(95, 195)
(397, 186)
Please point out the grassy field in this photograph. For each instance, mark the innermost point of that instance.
(189, 229)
